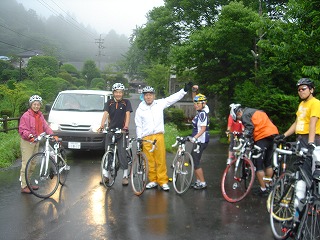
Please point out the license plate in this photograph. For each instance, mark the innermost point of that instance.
(74, 145)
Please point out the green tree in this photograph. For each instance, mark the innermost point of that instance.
(12, 98)
(158, 77)
(48, 65)
(90, 71)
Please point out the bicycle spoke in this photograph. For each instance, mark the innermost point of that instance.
(139, 173)
(45, 176)
(183, 173)
(237, 180)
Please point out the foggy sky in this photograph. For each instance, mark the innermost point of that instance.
(103, 15)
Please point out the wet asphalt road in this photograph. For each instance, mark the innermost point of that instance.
(83, 209)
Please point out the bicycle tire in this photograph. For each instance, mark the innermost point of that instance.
(182, 172)
(236, 183)
(129, 159)
(282, 206)
(309, 227)
(108, 172)
(63, 170)
(274, 179)
(139, 173)
(48, 181)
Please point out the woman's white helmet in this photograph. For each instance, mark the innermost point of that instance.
(117, 86)
(234, 109)
(35, 98)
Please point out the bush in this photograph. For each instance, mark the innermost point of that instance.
(175, 116)
(9, 148)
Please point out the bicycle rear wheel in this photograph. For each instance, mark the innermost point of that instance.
(37, 174)
(63, 170)
(139, 173)
(309, 228)
(182, 172)
(282, 206)
(237, 179)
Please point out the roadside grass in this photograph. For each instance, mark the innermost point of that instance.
(9, 148)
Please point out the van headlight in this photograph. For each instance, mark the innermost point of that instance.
(54, 126)
(95, 128)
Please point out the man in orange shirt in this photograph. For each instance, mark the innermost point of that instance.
(258, 127)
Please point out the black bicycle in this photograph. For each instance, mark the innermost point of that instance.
(291, 216)
(139, 168)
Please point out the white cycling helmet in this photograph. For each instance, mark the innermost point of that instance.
(148, 89)
(117, 86)
(35, 98)
(234, 109)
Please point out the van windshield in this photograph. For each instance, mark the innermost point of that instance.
(79, 102)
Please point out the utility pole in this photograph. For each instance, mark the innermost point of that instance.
(100, 47)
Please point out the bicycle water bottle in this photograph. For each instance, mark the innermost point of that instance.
(300, 193)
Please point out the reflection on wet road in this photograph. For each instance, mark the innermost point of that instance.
(84, 209)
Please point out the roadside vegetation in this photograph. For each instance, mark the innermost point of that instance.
(250, 52)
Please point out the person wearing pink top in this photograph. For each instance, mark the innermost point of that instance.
(232, 128)
(31, 125)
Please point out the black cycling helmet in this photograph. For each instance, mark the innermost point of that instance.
(305, 81)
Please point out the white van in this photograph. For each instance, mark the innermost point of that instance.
(75, 116)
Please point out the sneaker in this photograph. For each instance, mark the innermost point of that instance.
(151, 185)
(165, 187)
(125, 181)
(229, 160)
(199, 186)
(193, 184)
(259, 192)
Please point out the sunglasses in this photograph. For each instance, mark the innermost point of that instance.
(302, 89)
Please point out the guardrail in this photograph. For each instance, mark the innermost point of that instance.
(4, 123)
(5, 120)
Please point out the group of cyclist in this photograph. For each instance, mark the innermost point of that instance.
(256, 125)
(149, 121)
(259, 129)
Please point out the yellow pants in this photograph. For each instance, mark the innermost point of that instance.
(156, 159)
(27, 150)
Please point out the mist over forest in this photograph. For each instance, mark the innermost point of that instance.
(59, 36)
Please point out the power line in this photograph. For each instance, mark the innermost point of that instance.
(22, 34)
(58, 14)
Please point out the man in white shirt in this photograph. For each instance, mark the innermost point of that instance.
(150, 126)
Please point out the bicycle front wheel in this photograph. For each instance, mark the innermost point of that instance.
(139, 173)
(63, 170)
(42, 175)
(282, 206)
(309, 228)
(108, 169)
(182, 172)
(237, 179)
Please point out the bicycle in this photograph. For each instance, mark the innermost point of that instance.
(48, 168)
(286, 219)
(139, 169)
(183, 166)
(110, 160)
(239, 175)
(281, 154)
(236, 142)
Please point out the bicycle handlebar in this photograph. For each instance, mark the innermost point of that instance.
(47, 136)
(182, 140)
(131, 140)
